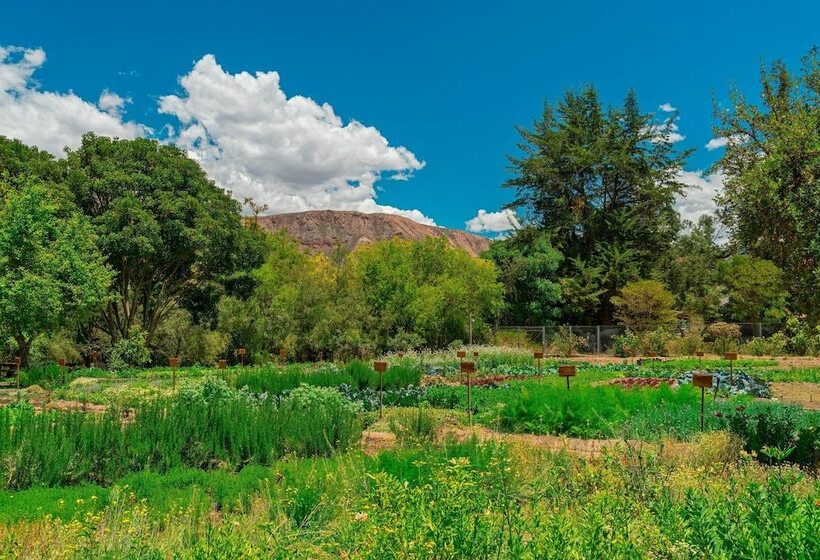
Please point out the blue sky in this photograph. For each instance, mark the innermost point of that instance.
(447, 81)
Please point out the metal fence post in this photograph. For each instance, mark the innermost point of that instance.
(597, 339)
(543, 338)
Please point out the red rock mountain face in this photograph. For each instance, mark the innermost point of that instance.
(324, 230)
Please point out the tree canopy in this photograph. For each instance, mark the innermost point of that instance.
(603, 182)
(771, 199)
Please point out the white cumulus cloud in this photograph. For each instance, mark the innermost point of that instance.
(667, 108)
(494, 222)
(48, 119)
(290, 153)
(699, 200)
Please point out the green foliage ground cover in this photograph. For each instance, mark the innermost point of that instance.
(467, 501)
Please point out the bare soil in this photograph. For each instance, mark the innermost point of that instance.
(804, 394)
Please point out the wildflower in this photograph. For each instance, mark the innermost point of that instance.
(361, 516)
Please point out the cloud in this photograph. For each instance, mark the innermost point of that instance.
(667, 131)
(290, 153)
(723, 141)
(494, 222)
(701, 199)
(52, 120)
(112, 103)
(667, 108)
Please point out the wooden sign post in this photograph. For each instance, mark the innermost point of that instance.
(731, 357)
(467, 368)
(174, 363)
(61, 363)
(94, 356)
(321, 356)
(222, 364)
(283, 356)
(704, 381)
(241, 353)
(567, 371)
(699, 354)
(380, 368)
(538, 357)
(17, 362)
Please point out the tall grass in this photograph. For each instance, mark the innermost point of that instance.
(356, 374)
(59, 448)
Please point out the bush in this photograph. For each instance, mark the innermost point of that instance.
(130, 352)
(626, 345)
(687, 344)
(566, 343)
(725, 335)
(513, 339)
(645, 305)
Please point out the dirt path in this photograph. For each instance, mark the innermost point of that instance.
(374, 442)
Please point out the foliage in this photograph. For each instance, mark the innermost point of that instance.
(724, 334)
(130, 352)
(166, 229)
(528, 266)
(602, 181)
(179, 337)
(51, 274)
(55, 448)
(567, 343)
(645, 305)
(755, 290)
(772, 169)
(414, 425)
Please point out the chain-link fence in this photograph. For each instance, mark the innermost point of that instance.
(599, 339)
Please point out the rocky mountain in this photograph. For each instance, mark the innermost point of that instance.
(324, 230)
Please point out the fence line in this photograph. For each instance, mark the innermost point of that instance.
(600, 338)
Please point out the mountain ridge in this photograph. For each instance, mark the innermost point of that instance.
(325, 230)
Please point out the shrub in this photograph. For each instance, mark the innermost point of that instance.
(130, 352)
(687, 344)
(645, 305)
(566, 343)
(626, 345)
(725, 335)
(513, 339)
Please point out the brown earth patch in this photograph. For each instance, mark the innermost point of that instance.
(804, 394)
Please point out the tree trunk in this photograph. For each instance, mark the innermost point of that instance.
(23, 350)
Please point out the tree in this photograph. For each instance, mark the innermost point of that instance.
(645, 305)
(690, 269)
(603, 181)
(772, 176)
(52, 275)
(756, 290)
(528, 267)
(166, 229)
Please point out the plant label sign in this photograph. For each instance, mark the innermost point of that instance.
(538, 355)
(731, 356)
(702, 380)
(241, 352)
(61, 362)
(222, 364)
(699, 353)
(567, 371)
(173, 362)
(475, 354)
(461, 354)
(380, 367)
(467, 367)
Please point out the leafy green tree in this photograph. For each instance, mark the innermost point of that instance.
(645, 305)
(166, 229)
(772, 167)
(756, 290)
(691, 270)
(603, 181)
(20, 164)
(528, 267)
(52, 275)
